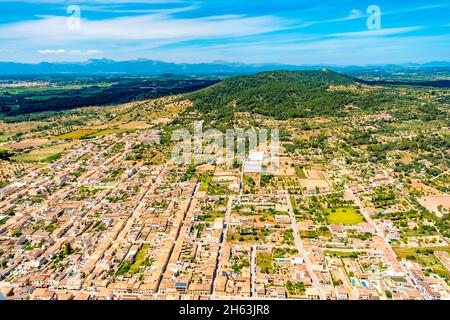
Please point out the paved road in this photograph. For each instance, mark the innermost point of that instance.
(224, 239)
(253, 271)
(299, 246)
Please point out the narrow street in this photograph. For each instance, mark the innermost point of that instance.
(299, 245)
(380, 233)
(223, 241)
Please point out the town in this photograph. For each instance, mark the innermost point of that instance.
(114, 218)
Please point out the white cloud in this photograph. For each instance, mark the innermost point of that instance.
(73, 52)
(53, 29)
(377, 33)
(355, 14)
(85, 52)
(51, 51)
(331, 51)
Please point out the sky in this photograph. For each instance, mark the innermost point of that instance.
(300, 32)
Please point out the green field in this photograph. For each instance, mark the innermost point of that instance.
(426, 258)
(347, 216)
(46, 154)
(76, 134)
(264, 261)
(139, 259)
(203, 187)
(5, 137)
(341, 254)
(300, 172)
(212, 216)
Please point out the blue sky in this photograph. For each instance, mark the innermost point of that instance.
(250, 31)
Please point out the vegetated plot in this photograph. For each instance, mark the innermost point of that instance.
(248, 236)
(43, 97)
(426, 257)
(139, 259)
(75, 134)
(46, 154)
(10, 169)
(212, 215)
(352, 254)
(347, 216)
(203, 187)
(300, 172)
(5, 137)
(264, 261)
(28, 143)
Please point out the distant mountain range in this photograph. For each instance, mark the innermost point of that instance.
(145, 67)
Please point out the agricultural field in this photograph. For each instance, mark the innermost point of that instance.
(75, 134)
(425, 256)
(44, 154)
(27, 143)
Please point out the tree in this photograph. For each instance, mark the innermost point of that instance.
(388, 294)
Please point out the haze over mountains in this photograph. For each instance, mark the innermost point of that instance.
(153, 67)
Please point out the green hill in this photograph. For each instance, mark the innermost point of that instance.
(290, 94)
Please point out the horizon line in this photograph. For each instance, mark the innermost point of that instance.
(225, 62)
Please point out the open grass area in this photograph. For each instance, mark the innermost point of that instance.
(75, 134)
(300, 172)
(347, 216)
(46, 154)
(139, 259)
(212, 216)
(315, 233)
(264, 261)
(341, 254)
(293, 203)
(5, 137)
(203, 187)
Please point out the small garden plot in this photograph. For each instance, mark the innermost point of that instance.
(316, 233)
(264, 262)
(283, 252)
(211, 216)
(215, 189)
(300, 172)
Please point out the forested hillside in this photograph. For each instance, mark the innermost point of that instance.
(297, 94)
